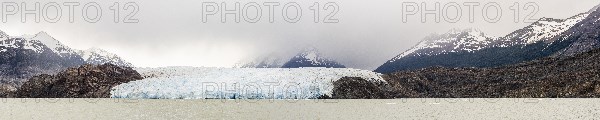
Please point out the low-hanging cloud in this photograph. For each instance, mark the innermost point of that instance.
(172, 33)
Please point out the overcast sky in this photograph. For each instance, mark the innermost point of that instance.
(171, 33)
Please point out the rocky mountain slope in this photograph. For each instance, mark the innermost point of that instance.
(473, 49)
(310, 57)
(359, 88)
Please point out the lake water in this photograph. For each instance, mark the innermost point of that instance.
(430, 108)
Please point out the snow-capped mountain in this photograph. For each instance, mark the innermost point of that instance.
(53, 44)
(39, 43)
(9, 42)
(269, 61)
(474, 49)
(310, 57)
(470, 40)
(543, 30)
(99, 56)
(24, 56)
(454, 40)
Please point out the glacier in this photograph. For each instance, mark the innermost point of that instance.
(236, 83)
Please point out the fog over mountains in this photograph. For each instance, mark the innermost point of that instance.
(370, 29)
(308, 57)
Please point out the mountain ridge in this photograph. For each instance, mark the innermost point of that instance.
(25, 56)
(273, 60)
(585, 36)
(537, 40)
(311, 57)
(307, 57)
(97, 56)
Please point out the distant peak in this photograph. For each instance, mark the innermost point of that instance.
(455, 30)
(455, 33)
(579, 16)
(45, 37)
(472, 30)
(311, 57)
(545, 19)
(51, 43)
(96, 55)
(3, 34)
(100, 51)
(95, 49)
(467, 30)
(42, 33)
(310, 49)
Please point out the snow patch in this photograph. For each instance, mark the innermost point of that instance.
(312, 56)
(547, 28)
(21, 43)
(454, 40)
(100, 56)
(52, 43)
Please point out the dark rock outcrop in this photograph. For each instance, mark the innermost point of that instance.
(359, 88)
(86, 81)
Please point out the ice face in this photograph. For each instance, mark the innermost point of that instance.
(261, 83)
